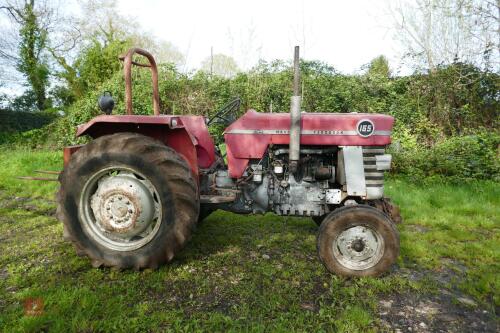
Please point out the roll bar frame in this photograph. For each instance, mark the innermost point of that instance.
(127, 72)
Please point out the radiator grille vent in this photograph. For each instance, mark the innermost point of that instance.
(373, 177)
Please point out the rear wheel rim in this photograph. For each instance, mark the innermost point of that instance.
(120, 209)
(358, 247)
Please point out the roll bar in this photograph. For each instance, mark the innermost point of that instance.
(127, 72)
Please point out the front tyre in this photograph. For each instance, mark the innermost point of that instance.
(357, 241)
(127, 200)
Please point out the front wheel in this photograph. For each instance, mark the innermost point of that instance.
(358, 241)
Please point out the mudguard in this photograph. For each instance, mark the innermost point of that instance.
(188, 135)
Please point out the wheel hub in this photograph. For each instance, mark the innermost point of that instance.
(358, 247)
(122, 204)
(120, 209)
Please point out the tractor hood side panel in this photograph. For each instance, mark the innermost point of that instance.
(249, 137)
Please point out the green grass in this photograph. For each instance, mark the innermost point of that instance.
(453, 227)
(221, 282)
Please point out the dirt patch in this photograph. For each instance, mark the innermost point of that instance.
(444, 276)
(443, 312)
(28, 204)
(447, 310)
(8, 201)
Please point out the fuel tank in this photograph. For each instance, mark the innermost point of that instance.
(249, 136)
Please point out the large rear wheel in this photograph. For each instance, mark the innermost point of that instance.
(358, 241)
(127, 200)
(318, 219)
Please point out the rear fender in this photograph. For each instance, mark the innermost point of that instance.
(161, 128)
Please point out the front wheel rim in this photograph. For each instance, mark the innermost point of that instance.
(358, 247)
(120, 209)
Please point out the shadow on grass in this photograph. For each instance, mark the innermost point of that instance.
(223, 231)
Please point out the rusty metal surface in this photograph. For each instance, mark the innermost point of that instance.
(189, 137)
(217, 198)
(48, 172)
(118, 208)
(68, 151)
(112, 121)
(38, 178)
(41, 178)
(389, 208)
(127, 71)
(123, 210)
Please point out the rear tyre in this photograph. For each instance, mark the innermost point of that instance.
(318, 219)
(357, 241)
(127, 200)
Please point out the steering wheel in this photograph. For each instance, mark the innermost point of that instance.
(223, 113)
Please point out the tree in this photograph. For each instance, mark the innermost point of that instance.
(440, 32)
(103, 35)
(9, 39)
(97, 63)
(31, 60)
(163, 51)
(379, 67)
(220, 65)
(102, 22)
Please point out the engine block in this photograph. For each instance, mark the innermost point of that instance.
(325, 179)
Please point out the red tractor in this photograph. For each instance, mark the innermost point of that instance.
(134, 194)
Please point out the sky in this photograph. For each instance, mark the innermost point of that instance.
(345, 34)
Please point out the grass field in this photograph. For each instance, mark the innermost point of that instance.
(253, 273)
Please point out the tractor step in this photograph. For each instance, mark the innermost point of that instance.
(217, 198)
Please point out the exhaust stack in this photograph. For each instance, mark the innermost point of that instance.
(294, 152)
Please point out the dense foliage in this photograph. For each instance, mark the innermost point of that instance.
(458, 158)
(31, 63)
(446, 121)
(11, 123)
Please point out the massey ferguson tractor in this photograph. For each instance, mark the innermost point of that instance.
(132, 197)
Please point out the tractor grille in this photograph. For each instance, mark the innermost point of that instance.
(373, 177)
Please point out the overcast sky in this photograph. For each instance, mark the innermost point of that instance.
(345, 34)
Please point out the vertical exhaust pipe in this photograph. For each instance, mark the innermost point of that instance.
(294, 151)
